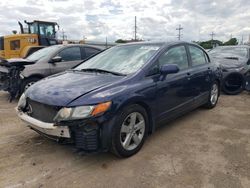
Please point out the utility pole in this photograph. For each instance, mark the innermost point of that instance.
(63, 35)
(179, 32)
(242, 39)
(135, 29)
(212, 41)
(106, 44)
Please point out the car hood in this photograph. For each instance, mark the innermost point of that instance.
(16, 62)
(61, 89)
(230, 63)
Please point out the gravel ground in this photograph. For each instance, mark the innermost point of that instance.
(205, 148)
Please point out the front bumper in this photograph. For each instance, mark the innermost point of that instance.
(89, 136)
(46, 128)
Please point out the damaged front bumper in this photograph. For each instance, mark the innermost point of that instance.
(46, 128)
(88, 136)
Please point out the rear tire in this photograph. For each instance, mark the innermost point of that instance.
(130, 131)
(27, 83)
(213, 95)
(233, 83)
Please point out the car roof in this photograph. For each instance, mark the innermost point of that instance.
(162, 43)
(81, 45)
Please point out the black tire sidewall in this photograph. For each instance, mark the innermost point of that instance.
(27, 81)
(239, 90)
(117, 148)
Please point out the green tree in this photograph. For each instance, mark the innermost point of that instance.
(120, 41)
(232, 41)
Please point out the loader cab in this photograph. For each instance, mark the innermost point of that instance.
(46, 31)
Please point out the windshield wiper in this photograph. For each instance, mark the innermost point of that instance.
(232, 57)
(102, 71)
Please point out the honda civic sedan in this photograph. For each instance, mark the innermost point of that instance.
(114, 100)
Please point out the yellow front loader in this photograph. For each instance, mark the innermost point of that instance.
(38, 34)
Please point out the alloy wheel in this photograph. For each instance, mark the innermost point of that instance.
(214, 94)
(132, 131)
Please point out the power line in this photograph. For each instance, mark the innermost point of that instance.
(179, 32)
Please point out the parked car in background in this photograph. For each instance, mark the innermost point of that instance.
(235, 63)
(114, 100)
(42, 63)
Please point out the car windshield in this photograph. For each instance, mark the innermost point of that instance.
(43, 53)
(125, 59)
(229, 52)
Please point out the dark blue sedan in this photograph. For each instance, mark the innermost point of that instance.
(114, 100)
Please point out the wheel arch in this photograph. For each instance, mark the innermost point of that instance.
(140, 101)
(34, 76)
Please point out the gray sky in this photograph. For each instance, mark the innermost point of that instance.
(157, 19)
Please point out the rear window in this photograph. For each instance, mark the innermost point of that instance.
(229, 52)
(70, 54)
(91, 51)
(1, 43)
(15, 45)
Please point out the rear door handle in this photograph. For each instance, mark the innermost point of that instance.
(188, 74)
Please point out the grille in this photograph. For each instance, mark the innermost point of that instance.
(86, 140)
(42, 112)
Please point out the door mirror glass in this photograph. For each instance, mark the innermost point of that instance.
(56, 59)
(169, 69)
(248, 63)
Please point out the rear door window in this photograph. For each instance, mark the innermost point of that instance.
(70, 54)
(197, 56)
(90, 51)
(175, 55)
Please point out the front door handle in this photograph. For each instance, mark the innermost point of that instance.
(189, 74)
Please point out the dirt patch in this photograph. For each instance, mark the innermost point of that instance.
(205, 148)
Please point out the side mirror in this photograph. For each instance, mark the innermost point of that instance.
(248, 63)
(169, 69)
(56, 59)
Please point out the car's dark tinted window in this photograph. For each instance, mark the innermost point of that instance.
(70, 54)
(90, 51)
(197, 56)
(175, 55)
(1, 43)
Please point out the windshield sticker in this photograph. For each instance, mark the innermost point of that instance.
(149, 48)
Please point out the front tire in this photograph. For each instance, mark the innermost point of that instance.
(130, 131)
(213, 95)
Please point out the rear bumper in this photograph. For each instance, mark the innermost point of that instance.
(46, 128)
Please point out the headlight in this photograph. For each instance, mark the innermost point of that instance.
(239, 69)
(81, 112)
(22, 102)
